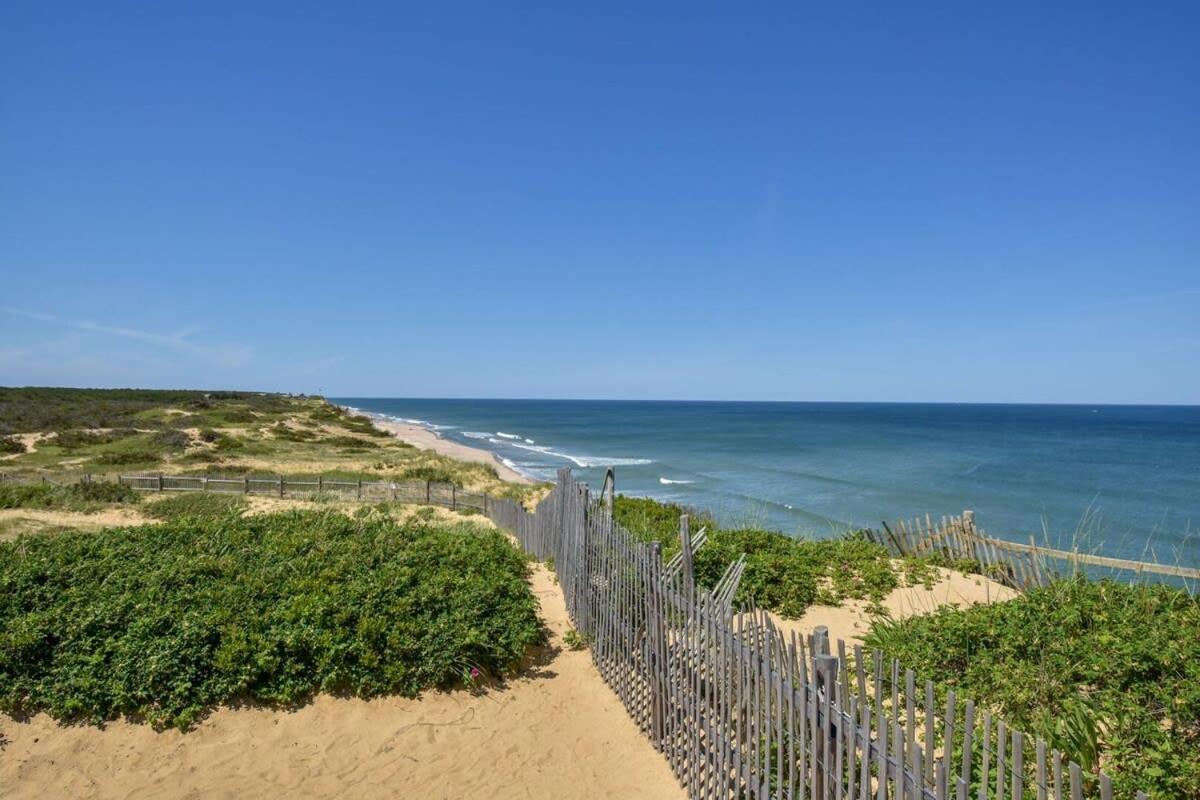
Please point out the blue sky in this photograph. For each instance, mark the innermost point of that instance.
(943, 202)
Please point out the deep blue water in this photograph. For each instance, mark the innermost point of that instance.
(1126, 478)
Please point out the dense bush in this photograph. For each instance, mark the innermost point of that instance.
(11, 444)
(787, 575)
(130, 456)
(75, 439)
(357, 423)
(1076, 660)
(351, 442)
(289, 434)
(166, 621)
(54, 409)
(653, 520)
(203, 505)
(84, 497)
(172, 440)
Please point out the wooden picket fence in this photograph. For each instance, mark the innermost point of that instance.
(741, 711)
(429, 492)
(738, 709)
(1021, 566)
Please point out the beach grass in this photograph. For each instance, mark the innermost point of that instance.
(77, 497)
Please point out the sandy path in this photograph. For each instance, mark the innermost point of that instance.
(851, 620)
(29, 440)
(428, 440)
(555, 732)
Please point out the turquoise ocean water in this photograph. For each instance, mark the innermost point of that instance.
(1128, 477)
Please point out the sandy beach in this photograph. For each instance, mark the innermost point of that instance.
(554, 731)
(426, 439)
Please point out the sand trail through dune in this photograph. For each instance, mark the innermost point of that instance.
(556, 731)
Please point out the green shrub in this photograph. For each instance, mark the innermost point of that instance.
(75, 439)
(428, 473)
(351, 443)
(1103, 670)
(83, 497)
(172, 440)
(131, 456)
(652, 520)
(288, 434)
(574, 640)
(226, 442)
(167, 621)
(11, 444)
(202, 505)
(783, 574)
(56, 409)
(360, 424)
(103, 492)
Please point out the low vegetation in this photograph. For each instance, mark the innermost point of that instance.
(79, 497)
(1108, 672)
(11, 445)
(195, 505)
(215, 433)
(783, 574)
(29, 409)
(163, 622)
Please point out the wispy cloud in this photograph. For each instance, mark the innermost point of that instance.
(222, 355)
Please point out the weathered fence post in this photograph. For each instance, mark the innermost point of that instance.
(360, 488)
(281, 486)
(453, 497)
(609, 490)
(653, 652)
(426, 492)
(246, 484)
(685, 541)
(160, 481)
(825, 669)
(320, 484)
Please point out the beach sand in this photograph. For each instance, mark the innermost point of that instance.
(426, 439)
(556, 731)
(852, 619)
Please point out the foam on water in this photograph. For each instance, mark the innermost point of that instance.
(584, 461)
(799, 467)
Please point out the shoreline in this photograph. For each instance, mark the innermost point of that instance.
(425, 439)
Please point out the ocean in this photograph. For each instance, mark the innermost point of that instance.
(1117, 480)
